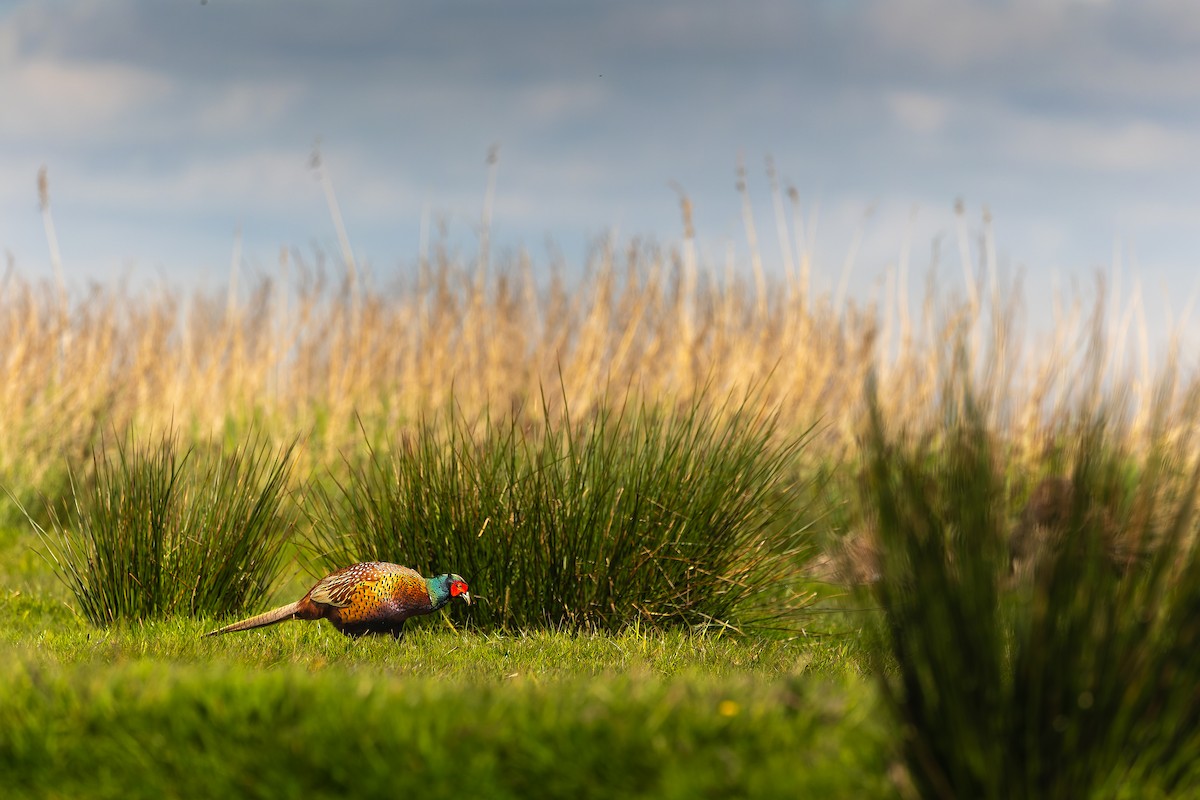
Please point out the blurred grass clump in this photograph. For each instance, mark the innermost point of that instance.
(154, 530)
(1075, 677)
(143, 730)
(689, 517)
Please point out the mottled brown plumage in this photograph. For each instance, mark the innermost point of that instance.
(372, 597)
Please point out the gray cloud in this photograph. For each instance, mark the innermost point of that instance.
(165, 123)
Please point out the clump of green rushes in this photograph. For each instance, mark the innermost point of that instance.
(158, 530)
(1075, 680)
(672, 518)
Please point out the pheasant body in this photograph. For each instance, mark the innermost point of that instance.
(371, 597)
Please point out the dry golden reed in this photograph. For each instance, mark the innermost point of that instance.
(303, 353)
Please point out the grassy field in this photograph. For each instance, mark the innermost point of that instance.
(663, 486)
(153, 710)
(668, 702)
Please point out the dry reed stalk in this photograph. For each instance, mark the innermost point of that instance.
(800, 287)
(781, 227)
(760, 278)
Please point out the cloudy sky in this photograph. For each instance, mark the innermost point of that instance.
(168, 126)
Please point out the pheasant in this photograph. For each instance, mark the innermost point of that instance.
(372, 597)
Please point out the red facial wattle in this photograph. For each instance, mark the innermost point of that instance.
(459, 589)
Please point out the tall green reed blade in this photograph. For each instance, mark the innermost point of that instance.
(156, 532)
(1075, 680)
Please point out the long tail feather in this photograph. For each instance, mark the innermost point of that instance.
(266, 618)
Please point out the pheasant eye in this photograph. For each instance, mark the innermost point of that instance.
(457, 588)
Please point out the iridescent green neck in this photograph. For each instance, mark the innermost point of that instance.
(439, 590)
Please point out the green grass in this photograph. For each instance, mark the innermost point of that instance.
(150, 709)
(154, 530)
(141, 731)
(649, 528)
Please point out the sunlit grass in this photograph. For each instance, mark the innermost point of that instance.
(139, 709)
(157, 530)
(145, 729)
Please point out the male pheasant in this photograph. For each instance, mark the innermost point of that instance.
(372, 597)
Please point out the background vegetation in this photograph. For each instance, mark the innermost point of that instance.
(665, 486)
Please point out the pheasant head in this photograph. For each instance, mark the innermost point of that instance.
(444, 587)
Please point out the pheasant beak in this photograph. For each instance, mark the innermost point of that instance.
(466, 596)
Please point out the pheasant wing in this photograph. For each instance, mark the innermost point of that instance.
(374, 587)
(337, 588)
